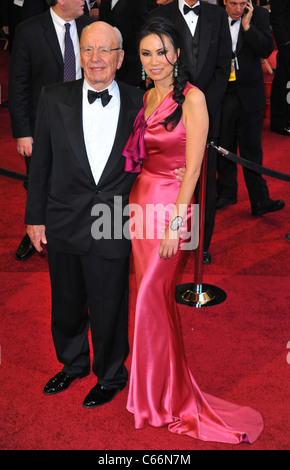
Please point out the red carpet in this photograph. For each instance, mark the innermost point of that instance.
(237, 350)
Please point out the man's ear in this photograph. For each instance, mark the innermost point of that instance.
(121, 58)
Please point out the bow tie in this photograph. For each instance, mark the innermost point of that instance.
(196, 9)
(104, 95)
(233, 22)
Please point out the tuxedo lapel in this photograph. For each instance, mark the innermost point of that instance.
(204, 39)
(71, 110)
(51, 37)
(119, 5)
(177, 18)
(128, 112)
(240, 39)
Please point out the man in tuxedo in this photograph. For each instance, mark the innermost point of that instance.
(280, 101)
(77, 173)
(37, 59)
(243, 106)
(207, 46)
(128, 16)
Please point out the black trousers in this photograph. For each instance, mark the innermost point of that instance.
(90, 291)
(240, 130)
(210, 201)
(280, 90)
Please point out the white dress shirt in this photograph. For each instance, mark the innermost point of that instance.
(234, 29)
(60, 32)
(191, 18)
(113, 3)
(100, 125)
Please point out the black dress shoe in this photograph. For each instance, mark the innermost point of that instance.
(99, 396)
(25, 249)
(225, 201)
(281, 130)
(206, 257)
(61, 382)
(268, 205)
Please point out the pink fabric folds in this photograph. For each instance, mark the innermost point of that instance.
(163, 390)
(134, 150)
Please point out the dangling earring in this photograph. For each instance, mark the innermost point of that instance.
(175, 72)
(143, 74)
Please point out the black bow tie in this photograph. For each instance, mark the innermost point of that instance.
(196, 9)
(233, 22)
(104, 95)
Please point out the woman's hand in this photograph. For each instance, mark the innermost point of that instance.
(169, 244)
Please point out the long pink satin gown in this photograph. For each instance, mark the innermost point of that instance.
(162, 390)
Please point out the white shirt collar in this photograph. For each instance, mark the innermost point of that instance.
(58, 20)
(111, 88)
(181, 3)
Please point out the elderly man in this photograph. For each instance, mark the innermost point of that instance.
(77, 163)
(39, 58)
(243, 106)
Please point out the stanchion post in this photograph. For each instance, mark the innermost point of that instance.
(198, 294)
(198, 271)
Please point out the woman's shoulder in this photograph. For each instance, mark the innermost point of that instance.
(193, 94)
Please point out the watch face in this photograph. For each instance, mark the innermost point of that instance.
(176, 223)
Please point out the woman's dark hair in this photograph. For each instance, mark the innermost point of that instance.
(163, 27)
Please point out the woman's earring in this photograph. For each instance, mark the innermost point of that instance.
(143, 74)
(175, 72)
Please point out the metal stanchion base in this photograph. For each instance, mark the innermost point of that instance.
(199, 295)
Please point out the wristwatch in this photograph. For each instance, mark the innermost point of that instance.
(176, 223)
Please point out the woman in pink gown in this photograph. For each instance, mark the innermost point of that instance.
(162, 389)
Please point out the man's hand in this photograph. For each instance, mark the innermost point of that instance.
(24, 146)
(246, 19)
(179, 173)
(37, 236)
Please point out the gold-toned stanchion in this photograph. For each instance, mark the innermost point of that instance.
(198, 294)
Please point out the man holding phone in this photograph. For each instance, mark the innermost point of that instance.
(243, 106)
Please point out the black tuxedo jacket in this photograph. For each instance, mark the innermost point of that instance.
(128, 16)
(212, 71)
(280, 21)
(62, 190)
(252, 45)
(36, 60)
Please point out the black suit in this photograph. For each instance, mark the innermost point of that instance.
(128, 16)
(33, 7)
(35, 61)
(243, 110)
(280, 22)
(86, 274)
(208, 57)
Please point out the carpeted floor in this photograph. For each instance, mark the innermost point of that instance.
(237, 350)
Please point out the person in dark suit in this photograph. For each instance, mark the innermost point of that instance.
(11, 14)
(36, 60)
(77, 185)
(280, 102)
(128, 16)
(207, 46)
(33, 7)
(243, 106)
